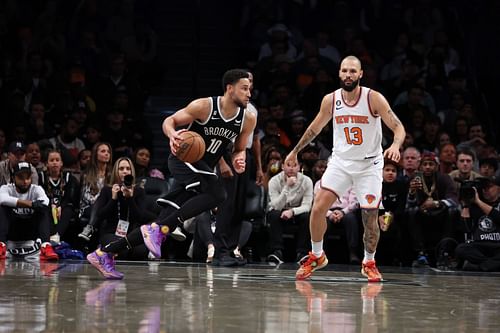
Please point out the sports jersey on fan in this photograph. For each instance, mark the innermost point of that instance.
(357, 133)
(218, 132)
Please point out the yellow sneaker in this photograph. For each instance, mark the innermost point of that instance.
(370, 270)
(309, 264)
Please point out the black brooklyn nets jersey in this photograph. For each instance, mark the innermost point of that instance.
(218, 132)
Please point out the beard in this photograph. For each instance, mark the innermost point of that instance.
(350, 87)
(240, 103)
(22, 189)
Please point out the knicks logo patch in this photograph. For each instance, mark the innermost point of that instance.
(370, 198)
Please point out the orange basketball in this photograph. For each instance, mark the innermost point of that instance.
(192, 147)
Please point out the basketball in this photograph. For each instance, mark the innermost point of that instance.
(192, 147)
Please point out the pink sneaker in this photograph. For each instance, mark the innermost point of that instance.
(154, 235)
(105, 264)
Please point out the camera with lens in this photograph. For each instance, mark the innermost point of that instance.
(467, 193)
(128, 180)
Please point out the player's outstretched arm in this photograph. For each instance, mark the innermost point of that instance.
(382, 107)
(320, 121)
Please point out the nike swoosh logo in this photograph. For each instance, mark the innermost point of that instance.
(238, 121)
(376, 162)
(338, 108)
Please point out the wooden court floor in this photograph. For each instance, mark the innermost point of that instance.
(70, 296)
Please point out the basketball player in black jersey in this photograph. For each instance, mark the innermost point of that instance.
(220, 120)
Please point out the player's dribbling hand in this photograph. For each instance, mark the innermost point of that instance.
(175, 140)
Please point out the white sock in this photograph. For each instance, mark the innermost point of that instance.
(317, 248)
(369, 256)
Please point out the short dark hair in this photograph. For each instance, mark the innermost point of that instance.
(232, 76)
(468, 152)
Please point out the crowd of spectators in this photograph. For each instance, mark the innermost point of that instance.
(74, 76)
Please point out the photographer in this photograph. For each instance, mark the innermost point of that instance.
(119, 209)
(431, 206)
(481, 219)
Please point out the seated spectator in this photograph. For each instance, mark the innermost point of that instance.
(141, 159)
(429, 139)
(118, 133)
(308, 156)
(411, 163)
(83, 161)
(274, 134)
(272, 165)
(461, 130)
(345, 211)
(17, 153)
(93, 135)
(24, 212)
(278, 33)
(290, 201)
(94, 178)
(431, 206)
(63, 191)
(488, 167)
(447, 158)
(481, 220)
(318, 170)
(119, 209)
(68, 143)
(465, 164)
(34, 157)
(37, 125)
(391, 218)
(476, 138)
(443, 138)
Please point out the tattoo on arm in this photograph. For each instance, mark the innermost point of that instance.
(372, 232)
(308, 136)
(395, 123)
(393, 119)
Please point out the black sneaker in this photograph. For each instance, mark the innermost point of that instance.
(87, 232)
(225, 261)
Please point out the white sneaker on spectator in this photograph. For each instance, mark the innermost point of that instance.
(178, 235)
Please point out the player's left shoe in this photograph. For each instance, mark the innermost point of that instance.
(154, 235)
(370, 270)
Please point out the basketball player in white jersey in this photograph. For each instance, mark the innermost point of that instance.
(357, 160)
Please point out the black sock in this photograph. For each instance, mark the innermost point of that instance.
(131, 240)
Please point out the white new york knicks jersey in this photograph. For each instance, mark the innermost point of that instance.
(357, 133)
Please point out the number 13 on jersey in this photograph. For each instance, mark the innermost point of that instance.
(353, 135)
